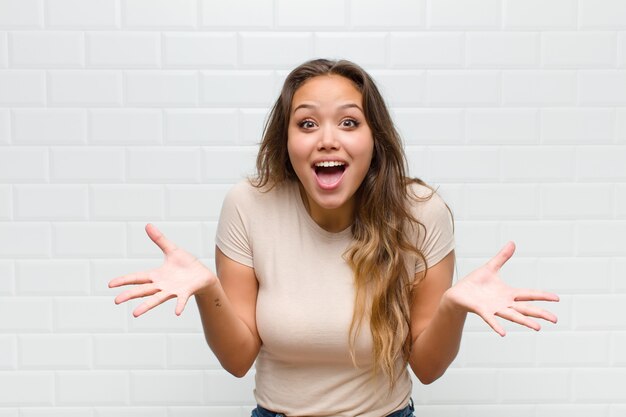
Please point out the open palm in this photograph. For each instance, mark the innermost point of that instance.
(483, 292)
(181, 275)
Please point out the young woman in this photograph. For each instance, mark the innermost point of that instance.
(334, 269)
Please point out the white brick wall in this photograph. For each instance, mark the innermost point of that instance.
(116, 113)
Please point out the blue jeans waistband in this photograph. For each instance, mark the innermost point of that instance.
(405, 412)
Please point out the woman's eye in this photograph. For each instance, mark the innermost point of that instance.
(350, 123)
(307, 124)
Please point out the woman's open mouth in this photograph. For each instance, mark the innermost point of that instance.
(329, 173)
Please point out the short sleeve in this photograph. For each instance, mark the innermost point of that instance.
(232, 236)
(437, 239)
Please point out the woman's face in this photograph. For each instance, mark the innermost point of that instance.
(330, 144)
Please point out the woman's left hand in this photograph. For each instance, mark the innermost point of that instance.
(483, 292)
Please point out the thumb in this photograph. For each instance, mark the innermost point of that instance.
(504, 255)
(180, 304)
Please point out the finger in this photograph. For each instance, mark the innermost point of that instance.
(504, 255)
(137, 292)
(517, 317)
(533, 311)
(157, 237)
(534, 295)
(493, 323)
(152, 302)
(180, 305)
(134, 278)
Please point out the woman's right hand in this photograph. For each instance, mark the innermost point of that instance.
(181, 275)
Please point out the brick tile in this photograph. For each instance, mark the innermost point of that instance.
(579, 50)
(478, 88)
(502, 126)
(22, 88)
(46, 49)
(199, 50)
(239, 88)
(6, 202)
(26, 388)
(23, 164)
(538, 14)
(602, 87)
(179, 14)
(85, 88)
(604, 14)
(25, 315)
(260, 50)
(430, 126)
(297, 14)
(97, 239)
(538, 87)
(163, 88)
(567, 348)
(52, 277)
(427, 50)
(164, 165)
(599, 312)
(126, 202)
(49, 126)
(7, 277)
(464, 14)
(25, 239)
(82, 13)
(167, 388)
(88, 314)
(123, 50)
(394, 13)
(21, 14)
(601, 163)
(129, 351)
(55, 351)
(228, 165)
(250, 14)
(5, 127)
(8, 352)
(364, 48)
(536, 385)
(571, 275)
(489, 201)
(544, 238)
(194, 202)
(577, 126)
(575, 201)
(92, 387)
(125, 126)
(401, 88)
(502, 50)
(82, 165)
(202, 127)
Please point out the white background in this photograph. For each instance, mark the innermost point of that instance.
(116, 113)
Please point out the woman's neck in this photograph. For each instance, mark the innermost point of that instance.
(331, 220)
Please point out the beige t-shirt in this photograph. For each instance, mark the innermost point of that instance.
(306, 299)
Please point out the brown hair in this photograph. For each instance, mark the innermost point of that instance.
(382, 216)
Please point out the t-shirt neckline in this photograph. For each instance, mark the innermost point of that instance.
(302, 211)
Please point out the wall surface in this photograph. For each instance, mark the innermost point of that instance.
(116, 113)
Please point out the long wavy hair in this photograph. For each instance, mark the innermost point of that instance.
(380, 248)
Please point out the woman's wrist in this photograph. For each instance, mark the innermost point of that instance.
(449, 304)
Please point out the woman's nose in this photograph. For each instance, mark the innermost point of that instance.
(327, 139)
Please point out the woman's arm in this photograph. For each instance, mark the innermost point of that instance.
(435, 328)
(227, 305)
(228, 313)
(438, 311)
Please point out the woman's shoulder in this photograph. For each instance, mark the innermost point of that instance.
(426, 203)
(248, 191)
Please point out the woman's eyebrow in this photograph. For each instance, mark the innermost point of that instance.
(314, 106)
